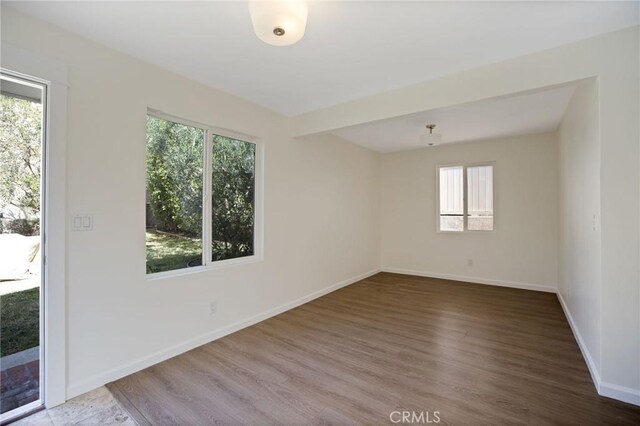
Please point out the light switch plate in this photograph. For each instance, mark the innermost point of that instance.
(81, 222)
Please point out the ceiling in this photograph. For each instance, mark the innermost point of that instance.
(350, 50)
(488, 119)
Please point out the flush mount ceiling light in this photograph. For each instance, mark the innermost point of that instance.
(279, 23)
(431, 139)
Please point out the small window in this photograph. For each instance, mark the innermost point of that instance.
(200, 196)
(451, 199)
(465, 198)
(480, 198)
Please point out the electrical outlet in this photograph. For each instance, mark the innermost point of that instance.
(213, 307)
(469, 262)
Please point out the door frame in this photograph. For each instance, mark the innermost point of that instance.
(53, 75)
(29, 407)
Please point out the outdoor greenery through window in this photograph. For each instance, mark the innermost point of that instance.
(182, 231)
(22, 107)
(233, 198)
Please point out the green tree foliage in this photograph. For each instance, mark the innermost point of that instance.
(175, 188)
(174, 176)
(20, 146)
(233, 198)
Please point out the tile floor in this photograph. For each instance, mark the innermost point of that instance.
(97, 407)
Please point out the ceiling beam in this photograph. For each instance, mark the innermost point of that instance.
(552, 67)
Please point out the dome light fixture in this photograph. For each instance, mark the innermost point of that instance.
(431, 139)
(279, 23)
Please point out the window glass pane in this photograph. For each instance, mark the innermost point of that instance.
(451, 199)
(233, 198)
(480, 198)
(21, 122)
(173, 195)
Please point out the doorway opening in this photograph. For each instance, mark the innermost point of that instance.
(22, 150)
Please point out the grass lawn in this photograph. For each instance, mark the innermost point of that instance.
(166, 252)
(19, 321)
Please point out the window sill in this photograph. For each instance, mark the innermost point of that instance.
(221, 264)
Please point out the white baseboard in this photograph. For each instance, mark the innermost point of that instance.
(591, 365)
(147, 361)
(621, 393)
(500, 283)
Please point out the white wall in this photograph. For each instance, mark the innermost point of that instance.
(321, 212)
(521, 252)
(580, 268)
(619, 108)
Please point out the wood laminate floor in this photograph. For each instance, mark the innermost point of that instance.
(476, 354)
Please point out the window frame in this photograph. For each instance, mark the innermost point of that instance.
(465, 208)
(258, 213)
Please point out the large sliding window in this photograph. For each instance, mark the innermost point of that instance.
(200, 196)
(465, 198)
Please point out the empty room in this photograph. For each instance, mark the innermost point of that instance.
(306, 212)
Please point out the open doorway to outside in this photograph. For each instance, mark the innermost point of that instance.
(22, 118)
